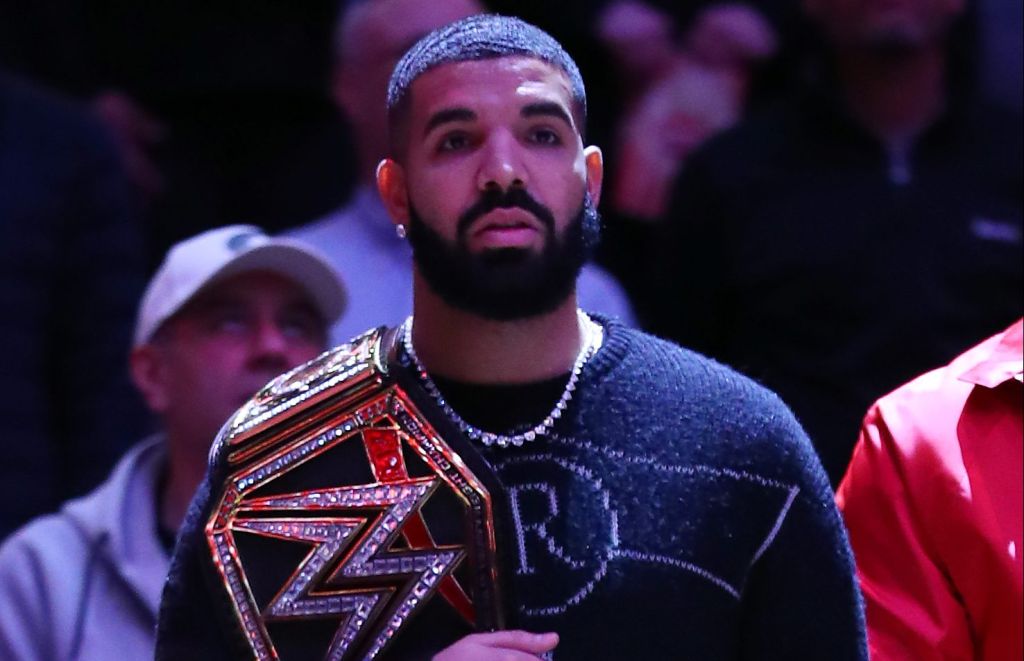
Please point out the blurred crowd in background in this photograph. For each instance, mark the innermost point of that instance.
(825, 195)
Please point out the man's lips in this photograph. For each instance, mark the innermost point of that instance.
(506, 227)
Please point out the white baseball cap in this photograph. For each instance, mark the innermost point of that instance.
(216, 254)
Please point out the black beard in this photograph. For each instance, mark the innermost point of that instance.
(505, 284)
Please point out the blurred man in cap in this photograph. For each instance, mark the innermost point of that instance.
(228, 310)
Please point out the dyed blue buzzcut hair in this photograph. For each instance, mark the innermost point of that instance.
(481, 37)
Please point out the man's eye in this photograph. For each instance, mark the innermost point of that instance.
(229, 323)
(545, 137)
(453, 142)
(303, 328)
(232, 324)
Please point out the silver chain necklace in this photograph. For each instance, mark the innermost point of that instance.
(593, 336)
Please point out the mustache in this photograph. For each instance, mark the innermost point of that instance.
(505, 199)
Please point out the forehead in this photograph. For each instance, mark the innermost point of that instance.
(251, 288)
(509, 82)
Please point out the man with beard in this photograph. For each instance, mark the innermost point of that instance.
(660, 505)
(359, 238)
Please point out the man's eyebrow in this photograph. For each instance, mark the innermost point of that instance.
(548, 109)
(449, 115)
(213, 302)
(303, 305)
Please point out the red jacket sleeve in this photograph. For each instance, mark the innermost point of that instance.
(913, 611)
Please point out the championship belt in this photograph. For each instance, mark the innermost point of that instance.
(353, 519)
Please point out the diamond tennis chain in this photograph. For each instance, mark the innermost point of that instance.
(593, 336)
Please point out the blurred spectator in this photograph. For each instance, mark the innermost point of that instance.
(229, 310)
(681, 94)
(933, 502)
(684, 74)
(858, 234)
(360, 238)
(70, 273)
(641, 41)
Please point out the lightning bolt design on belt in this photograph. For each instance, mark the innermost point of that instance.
(312, 589)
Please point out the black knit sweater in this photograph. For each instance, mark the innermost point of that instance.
(678, 512)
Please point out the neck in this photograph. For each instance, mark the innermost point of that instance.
(894, 94)
(464, 347)
(185, 470)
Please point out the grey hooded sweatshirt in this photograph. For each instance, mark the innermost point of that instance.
(84, 584)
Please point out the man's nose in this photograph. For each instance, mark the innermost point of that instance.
(269, 340)
(501, 166)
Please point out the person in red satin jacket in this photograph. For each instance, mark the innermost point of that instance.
(933, 502)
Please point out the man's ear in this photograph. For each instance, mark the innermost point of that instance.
(393, 192)
(595, 172)
(146, 364)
